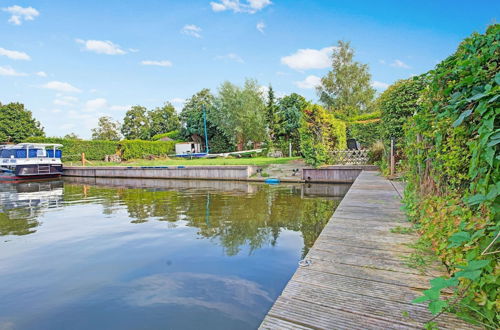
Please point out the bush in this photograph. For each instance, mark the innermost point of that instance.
(72, 149)
(174, 135)
(134, 149)
(320, 134)
(396, 104)
(365, 132)
(451, 145)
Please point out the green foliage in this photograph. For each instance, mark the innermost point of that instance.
(366, 132)
(174, 135)
(107, 130)
(346, 89)
(240, 113)
(320, 133)
(134, 149)
(451, 145)
(396, 104)
(17, 123)
(72, 149)
(163, 119)
(367, 116)
(136, 124)
(288, 121)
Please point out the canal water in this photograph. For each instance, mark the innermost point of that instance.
(152, 254)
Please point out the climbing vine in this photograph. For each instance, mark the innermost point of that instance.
(452, 158)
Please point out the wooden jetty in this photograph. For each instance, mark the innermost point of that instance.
(358, 278)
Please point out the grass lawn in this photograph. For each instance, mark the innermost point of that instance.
(258, 161)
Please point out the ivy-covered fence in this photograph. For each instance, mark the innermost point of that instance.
(453, 176)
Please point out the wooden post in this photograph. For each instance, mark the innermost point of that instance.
(83, 159)
(393, 160)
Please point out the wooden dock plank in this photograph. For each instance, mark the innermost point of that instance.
(358, 278)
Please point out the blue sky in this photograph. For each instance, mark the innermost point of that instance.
(70, 62)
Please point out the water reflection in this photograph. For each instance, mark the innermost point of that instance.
(156, 254)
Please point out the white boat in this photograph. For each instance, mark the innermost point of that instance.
(30, 161)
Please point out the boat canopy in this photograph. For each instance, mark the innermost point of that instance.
(31, 150)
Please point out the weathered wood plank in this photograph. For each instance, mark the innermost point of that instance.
(358, 278)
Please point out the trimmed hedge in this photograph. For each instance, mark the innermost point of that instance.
(97, 150)
(72, 149)
(135, 149)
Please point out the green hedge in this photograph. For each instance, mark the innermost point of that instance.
(135, 149)
(453, 176)
(72, 149)
(366, 132)
(97, 150)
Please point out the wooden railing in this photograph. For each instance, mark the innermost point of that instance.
(350, 157)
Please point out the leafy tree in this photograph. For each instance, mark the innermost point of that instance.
(397, 103)
(288, 120)
(106, 130)
(163, 120)
(320, 133)
(193, 124)
(17, 123)
(271, 109)
(71, 136)
(136, 124)
(240, 113)
(346, 88)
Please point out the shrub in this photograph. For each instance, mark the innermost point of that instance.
(453, 174)
(174, 135)
(72, 149)
(365, 132)
(320, 133)
(396, 104)
(132, 149)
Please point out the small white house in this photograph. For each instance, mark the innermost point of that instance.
(184, 148)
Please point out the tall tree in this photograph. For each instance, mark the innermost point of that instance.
(17, 123)
(240, 112)
(71, 136)
(346, 89)
(107, 129)
(271, 109)
(136, 124)
(288, 120)
(163, 119)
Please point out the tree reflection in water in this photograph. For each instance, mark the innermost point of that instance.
(231, 214)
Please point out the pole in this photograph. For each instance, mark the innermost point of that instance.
(393, 160)
(289, 149)
(205, 126)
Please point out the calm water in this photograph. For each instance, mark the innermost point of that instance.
(152, 254)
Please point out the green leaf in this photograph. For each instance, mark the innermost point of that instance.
(476, 199)
(441, 282)
(470, 274)
(497, 78)
(437, 306)
(476, 97)
(475, 264)
(461, 118)
(420, 299)
(458, 239)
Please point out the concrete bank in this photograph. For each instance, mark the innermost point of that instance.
(330, 174)
(358, 278)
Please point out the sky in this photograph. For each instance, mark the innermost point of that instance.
(71, 62)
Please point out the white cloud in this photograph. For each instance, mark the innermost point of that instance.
(381, 61)
(379, 85)
(310, 82)
(231, 56)
(14, 54)
(8, 71)
(20, 14)
(61, 87)
(65, 100)
(192, 30)
(41, 74)
(101, 47)
(177, 100)
(305, 59)
(163, 63)
(261, 26)
(250, 6)
(101, 104)
(67, 126)
(400, 64)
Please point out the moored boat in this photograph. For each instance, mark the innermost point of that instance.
(30, 161)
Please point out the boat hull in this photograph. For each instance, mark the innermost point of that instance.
(14, 178)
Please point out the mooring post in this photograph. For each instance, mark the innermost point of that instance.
(83, 159)
(393, 160)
